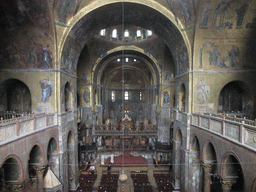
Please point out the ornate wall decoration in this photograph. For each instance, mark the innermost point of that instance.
(202, 91)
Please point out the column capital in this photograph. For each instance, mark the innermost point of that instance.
(39, 169)
(207, 165)
(227, 183)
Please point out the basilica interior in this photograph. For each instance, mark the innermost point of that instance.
(127, 96)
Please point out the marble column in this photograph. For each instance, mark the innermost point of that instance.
(227, 183)
(207, 176)
(40, 179)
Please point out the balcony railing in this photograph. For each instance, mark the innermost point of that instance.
(21, 125)
(239, 130)
(12, 116)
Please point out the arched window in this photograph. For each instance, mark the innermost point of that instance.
(138, 33)
(149, 32)
(114, 33)
(103, 32)
(126, 95)
(113, 96)
(126, 33)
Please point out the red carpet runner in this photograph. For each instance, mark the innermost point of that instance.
(127, 160)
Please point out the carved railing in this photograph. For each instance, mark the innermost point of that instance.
(240, 118)
(20, 126)
(12, 116)
(239, 130)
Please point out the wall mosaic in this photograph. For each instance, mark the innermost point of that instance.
(70, 56)
(181, 57)
(227, 14)
(182, 10)
(211, 54)
(26, 28)
(66, 8)
(202, 91)
(47, 90)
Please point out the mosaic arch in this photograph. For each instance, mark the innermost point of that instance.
(84, 24)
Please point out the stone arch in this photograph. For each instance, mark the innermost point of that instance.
(232, 172)
(36, 166)
(134, 51)
(17, 96)
(210, 155)
(209, 164)
(53, 155)
(182, 49)
(11, 171)
(235, 97)
(68, 97)
(36, 155)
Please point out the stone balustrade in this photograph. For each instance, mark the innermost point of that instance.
(239, 130)
(23, 125)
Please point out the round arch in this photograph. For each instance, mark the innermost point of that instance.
(17, 96)
(16, 161)
(135, 51)
(162, 16)
(53, 145)
(232, 171)
(36, 154)
(235, 97)
(194, 143)
(97, 4)
(209, 152)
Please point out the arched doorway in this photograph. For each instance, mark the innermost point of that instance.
(17, 97)
(235, 98)
(9, 174)
(232, 174)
